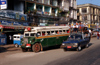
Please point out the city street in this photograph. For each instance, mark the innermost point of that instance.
(88, 56)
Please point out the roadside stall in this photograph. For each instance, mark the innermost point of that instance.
(3, 39)
(93, 28)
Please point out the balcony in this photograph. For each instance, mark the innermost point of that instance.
(46, 13)
(39, 12)
(54, 3)
(47, 2)
(39, 1)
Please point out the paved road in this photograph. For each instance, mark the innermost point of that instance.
(88, 56)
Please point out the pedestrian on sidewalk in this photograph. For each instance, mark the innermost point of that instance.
(98, 35)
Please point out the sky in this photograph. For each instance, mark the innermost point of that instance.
(95, 2)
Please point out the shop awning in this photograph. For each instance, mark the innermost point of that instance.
(13, 27)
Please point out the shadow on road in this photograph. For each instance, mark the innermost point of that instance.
(82, 47)
(7, 48)
(51, 48)
(90, 44)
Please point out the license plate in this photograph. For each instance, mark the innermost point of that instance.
(68, 46)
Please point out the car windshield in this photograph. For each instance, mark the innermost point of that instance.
(75, 37)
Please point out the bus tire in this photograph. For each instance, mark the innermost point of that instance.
(16, 45)
(36, 47)
(24, 50)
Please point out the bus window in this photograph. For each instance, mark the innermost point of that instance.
(39, 33)
(32, 34)
(27, 34)
(68, 31)
(43, 33)
(14, 36)
(60, 31)
(53, 32)
(48, 32)
(17, 37)
(63, 31)
(56, 32)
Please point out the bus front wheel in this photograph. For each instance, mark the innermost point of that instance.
(36, 47)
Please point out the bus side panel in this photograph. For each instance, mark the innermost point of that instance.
(43, 42)
(52, 41)
(61, 39)
(58, 40)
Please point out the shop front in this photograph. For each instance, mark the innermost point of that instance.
(8, 28)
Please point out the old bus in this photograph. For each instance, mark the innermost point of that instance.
(37, 38)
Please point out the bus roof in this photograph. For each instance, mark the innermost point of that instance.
(17, 35)
(51, 27)
(48, 28)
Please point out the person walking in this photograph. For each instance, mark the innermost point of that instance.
(98, 35)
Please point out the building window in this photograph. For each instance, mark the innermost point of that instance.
(77, 10)
(47, 2)
(78, 17)
(84, 10)
(85, 17)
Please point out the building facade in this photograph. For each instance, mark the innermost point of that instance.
(88, 13)
(44, 12)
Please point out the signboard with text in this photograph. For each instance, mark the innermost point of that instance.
(13, 15)
(3, 4)
(4, 22)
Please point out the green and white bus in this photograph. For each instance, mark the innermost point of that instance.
(37, 38)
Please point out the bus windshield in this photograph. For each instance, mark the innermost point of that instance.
(26, 34)
(29, 34)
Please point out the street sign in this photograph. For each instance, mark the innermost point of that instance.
(3, 4)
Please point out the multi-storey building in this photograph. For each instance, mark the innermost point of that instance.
(88, 13)
(42, 12)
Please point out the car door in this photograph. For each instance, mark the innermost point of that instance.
(83, 41)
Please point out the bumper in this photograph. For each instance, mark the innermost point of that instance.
(69, 47)
(24, 46)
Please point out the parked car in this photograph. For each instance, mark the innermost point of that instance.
(76, 41)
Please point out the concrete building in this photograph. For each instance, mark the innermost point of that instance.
(88, 13)
(12, 19)
(42, 12)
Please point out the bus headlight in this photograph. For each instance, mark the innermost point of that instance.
(30, 41)
(63, 44)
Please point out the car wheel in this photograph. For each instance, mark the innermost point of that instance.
(87, 45)
(65, 49)
(16, 45)
(36, 47)
(79, 48)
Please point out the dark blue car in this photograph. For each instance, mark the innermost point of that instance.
(76, 41)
